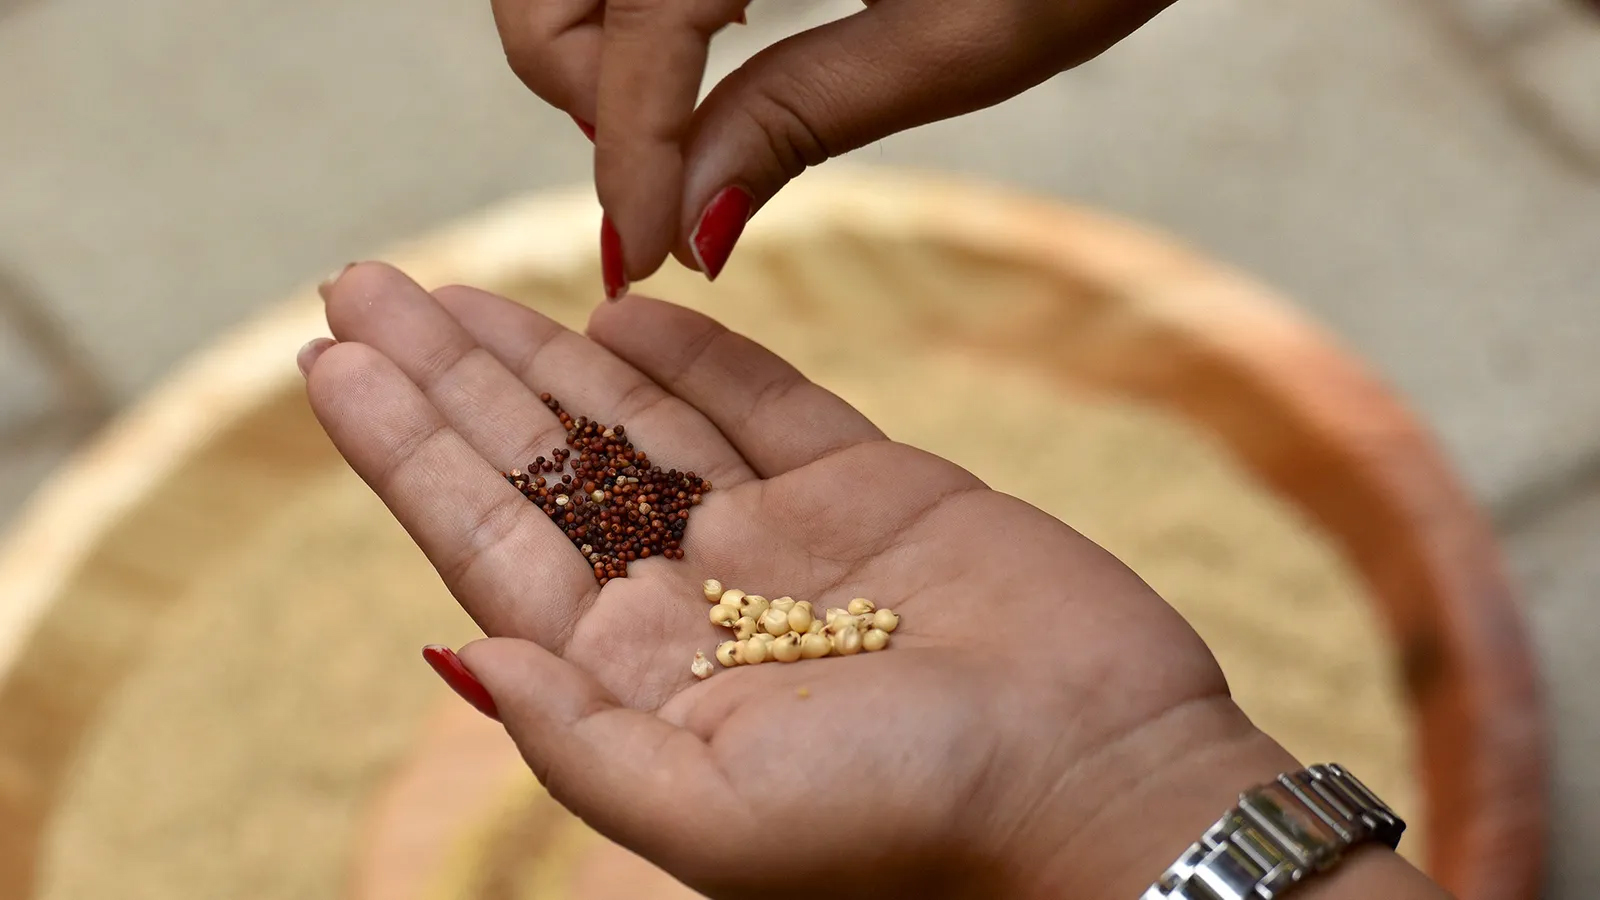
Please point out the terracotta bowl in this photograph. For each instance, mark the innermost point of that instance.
(1069, 295)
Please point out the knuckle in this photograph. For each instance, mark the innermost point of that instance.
(786, 109)
(627, 9)
(528, 56)
(531, 68)
(632, 18)
(774, 394)
(443, 362)
(639, 399)
(638, 15)
(494, 528)
(393, 467)
(705, 16)
(525, 65)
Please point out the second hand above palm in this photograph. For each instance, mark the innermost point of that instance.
(1024, 656)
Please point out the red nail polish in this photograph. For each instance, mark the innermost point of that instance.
(719, 229)
(585, 127)
(469, 688)
(612, 267)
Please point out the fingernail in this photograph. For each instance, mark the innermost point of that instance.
(740, 20)
(585, 127)
(719, 229)
(328, 283)
(307, 357)
(448, 665)
(612, 267)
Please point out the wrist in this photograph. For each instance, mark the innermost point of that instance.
(1164, 787)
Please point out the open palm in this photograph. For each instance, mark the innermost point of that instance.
(1032, 677)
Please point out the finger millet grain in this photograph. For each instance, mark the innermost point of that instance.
(614, 505)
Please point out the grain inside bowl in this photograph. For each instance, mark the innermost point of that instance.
(889, 280)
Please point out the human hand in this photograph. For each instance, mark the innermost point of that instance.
(1042, 724)
(677, 179)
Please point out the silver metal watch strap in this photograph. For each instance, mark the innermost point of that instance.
(1280, 832)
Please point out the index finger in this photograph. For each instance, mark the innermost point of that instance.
(652, 60)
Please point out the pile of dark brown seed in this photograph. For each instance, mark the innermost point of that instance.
(614, 505)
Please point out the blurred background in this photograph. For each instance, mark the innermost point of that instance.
(1422, 176)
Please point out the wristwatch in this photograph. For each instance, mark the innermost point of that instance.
(1280, 833)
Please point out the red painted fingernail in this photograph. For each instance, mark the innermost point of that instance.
(585, 127)
(612, 267)
(448, 665)
(719, 229)
(307, 357)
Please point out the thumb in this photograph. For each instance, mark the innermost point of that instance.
(641, 781)
(893, 66)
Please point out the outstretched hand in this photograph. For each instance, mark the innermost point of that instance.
(1036, 705)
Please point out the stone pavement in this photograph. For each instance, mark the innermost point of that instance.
(1422, 175)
